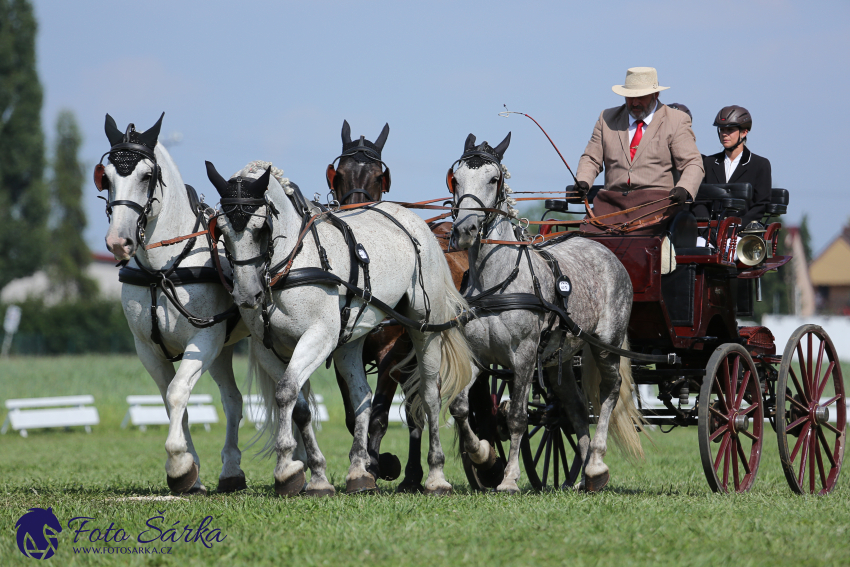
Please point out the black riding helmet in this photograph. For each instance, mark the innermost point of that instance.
(682, 107)
(734, 116)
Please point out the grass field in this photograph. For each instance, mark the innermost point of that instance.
(659, 512)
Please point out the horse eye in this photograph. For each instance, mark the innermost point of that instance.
(494, 180)
(146, 176)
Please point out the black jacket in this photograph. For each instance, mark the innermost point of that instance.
(751, 169)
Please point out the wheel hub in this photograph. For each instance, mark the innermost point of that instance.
(821, 414)
(740, 423)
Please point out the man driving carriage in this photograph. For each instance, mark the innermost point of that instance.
(640, 145)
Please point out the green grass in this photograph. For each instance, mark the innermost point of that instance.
(659, 512)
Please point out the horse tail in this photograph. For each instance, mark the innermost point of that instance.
(266, 386)
(457, 359)
(626, 419)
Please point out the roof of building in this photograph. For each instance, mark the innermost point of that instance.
(832, 266)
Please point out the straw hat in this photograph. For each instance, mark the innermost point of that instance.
(640, 81)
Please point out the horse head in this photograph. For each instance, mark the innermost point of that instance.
(130, 179)
(360, 177)
(478, 182)
(245, 222)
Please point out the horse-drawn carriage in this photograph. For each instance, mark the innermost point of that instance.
(694, 310)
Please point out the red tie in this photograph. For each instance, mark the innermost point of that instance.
(637, 137)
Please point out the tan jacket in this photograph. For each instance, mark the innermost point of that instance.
(668, 142)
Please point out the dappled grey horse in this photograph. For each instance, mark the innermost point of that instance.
(291, 284)
(600, 303)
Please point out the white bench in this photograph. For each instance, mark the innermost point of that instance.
(36, 413)
(150, 410)
(254, 410)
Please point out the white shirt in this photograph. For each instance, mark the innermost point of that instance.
(646, 121)
(730, 165)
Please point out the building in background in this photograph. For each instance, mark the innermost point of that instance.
(830, 276)
(102, 270)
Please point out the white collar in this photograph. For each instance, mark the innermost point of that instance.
(646, 120)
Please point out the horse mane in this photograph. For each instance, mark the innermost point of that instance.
(258, 167)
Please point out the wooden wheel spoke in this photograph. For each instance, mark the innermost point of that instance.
(500, 449)
(830, 401)
(546, 459)
(543, 440)
(826, 448)
(572, 443)
(816, 375)
(721, 450)
(718, 414)
(721, 430)
(800, 406)
(823, 384)
(740, 397)
(534, 431)
(735, 464)
(727, 453)
(812, 459)
(803, 457)
(731, 380)
(501, 391)
(802, 360)
(748, 434)
(831, 428)
(720, 395)
(797, 422)
(800, 389)
(558, 442)
(803, 434)
(750, 409)
(744, 461)
(812, 384)
(820, 464)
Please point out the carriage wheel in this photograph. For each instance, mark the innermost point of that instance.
(497, 392)
(550, 454)
(810, 446)
(731, 420)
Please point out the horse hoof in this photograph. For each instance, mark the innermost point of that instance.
(492, 476)
(318, 492)
(439, 491)
(410, 487)
(389, 465)
(292, 486)
(361, 485)
(183, 484)
(232, 484)
(596, 483)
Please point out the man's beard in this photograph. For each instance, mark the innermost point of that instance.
(645, 112)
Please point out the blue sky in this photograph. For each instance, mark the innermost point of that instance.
(274, 80)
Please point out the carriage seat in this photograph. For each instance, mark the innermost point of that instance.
(778, 202)
(720, 200)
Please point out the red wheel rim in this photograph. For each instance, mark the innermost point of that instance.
(811, 395)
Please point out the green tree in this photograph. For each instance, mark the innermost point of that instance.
(23, 194)
(69, 254)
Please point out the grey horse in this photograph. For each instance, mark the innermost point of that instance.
(600, 303)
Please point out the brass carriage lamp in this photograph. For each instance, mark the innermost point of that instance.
(751, 248)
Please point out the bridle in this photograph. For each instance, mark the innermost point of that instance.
(491, 213)
(102, 183)
(371, 155)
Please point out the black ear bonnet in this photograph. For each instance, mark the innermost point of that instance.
(240, 197)
(362, 150)
(476, 156)
(131, 147)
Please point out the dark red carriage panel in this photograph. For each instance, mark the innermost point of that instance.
(758, 340)
(641, 255)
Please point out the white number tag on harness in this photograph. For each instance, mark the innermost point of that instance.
(361, 253)
(564, 286)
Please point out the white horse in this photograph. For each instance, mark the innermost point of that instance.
(261, 224)
(148, 202)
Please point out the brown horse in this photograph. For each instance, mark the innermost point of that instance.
(362, 177)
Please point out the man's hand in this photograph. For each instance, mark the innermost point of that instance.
(679, 194)
(582, 188)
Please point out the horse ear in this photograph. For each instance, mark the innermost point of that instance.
(382, 139)
(346, 132)
(113, 134)
(150, 136)
(503, 146)
(330, 174)
(217, 180)
(261, 185)
(470, 143)
(450, 180)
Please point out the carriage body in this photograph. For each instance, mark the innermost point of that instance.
(744, 385)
